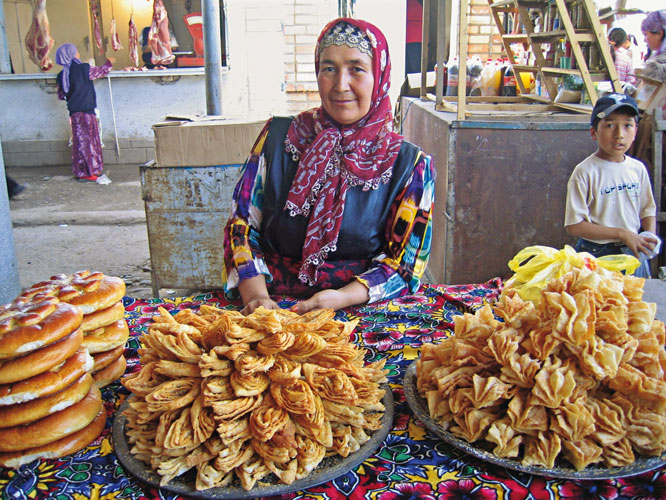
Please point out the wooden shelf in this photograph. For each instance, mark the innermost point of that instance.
(592, 36)
(504, 4)
(548, 36)
(516, 38)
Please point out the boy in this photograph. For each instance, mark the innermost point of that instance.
(609, 197)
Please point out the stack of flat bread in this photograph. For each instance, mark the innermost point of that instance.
(49, 404)
(104, 328)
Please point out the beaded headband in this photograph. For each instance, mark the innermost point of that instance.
(344, 33)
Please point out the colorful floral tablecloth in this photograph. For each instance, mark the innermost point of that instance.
(411, 463)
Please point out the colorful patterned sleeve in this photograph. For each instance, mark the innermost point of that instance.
(99, 71)
(398, 270)
(243, 257)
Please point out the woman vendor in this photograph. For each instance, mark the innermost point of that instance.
(654, 31)
(332, 205)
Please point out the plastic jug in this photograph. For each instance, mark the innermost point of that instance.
(528, 82)
(474, 70)
(509, 86)
(490, 78)
(452, 77)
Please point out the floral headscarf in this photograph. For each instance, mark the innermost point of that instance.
(334, 157)
(656, 21)
(65, 56)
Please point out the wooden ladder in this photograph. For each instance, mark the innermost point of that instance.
(566, 31)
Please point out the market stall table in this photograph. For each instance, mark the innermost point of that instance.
(410, 463)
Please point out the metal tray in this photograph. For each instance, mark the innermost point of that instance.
(563, 470)
(330, 468)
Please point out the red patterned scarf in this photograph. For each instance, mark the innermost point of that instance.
(333, 158)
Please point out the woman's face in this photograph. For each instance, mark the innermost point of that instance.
(345, 83)
(653, 40)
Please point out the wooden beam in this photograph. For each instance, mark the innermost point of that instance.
(462, 58)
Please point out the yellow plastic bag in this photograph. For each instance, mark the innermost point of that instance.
(536, 266)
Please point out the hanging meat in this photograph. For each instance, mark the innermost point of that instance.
(115, 39)
(96, 27)
(38, 41)
(160, 40)
(133, 42)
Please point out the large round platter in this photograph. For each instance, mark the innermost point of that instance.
(592, 472)
(330, 468)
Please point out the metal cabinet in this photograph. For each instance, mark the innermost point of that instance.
(186, 210)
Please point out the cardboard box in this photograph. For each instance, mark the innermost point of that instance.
(190, 141)
(650, 94)
(411, 87)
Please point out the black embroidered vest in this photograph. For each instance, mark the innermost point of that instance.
(81, 96)
(362, 232)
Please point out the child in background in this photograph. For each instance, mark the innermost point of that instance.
(609, 196)
(75, 85)
(620, 45)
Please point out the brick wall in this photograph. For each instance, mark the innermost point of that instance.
(483, 37)
(303, 20)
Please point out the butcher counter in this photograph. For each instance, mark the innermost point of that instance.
(411, 462)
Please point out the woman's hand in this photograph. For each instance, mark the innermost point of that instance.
(254, 293)
(253, 304)
(349, 295)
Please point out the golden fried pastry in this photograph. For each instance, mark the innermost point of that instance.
(278, 342)
(145, 380)
(173, 394)
(268, 419)
(228, 395)
(331, 384)
(177, 369)
(249, 384)
(579, 377)
(252, 362)
(542, 450)
(211, 365)
(505, 437)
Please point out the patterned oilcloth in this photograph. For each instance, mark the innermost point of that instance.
(411, 463)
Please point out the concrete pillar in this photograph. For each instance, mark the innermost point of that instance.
(5, 65)
(212, 56)
(9, 277)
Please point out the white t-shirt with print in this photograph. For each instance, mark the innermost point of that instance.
(609, 194)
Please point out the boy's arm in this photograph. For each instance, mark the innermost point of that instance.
(649, 223)
(591, 231)
(638, 244)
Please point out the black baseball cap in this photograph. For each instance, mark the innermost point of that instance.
(611, 102)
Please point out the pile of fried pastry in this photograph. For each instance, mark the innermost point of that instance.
(262, 398)
(578, 379)
(50, 402)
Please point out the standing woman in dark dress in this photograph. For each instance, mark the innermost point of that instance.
(75, 85)
(333, 206)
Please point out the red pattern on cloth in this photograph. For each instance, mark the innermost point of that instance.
(334, 157)
(86, 145)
